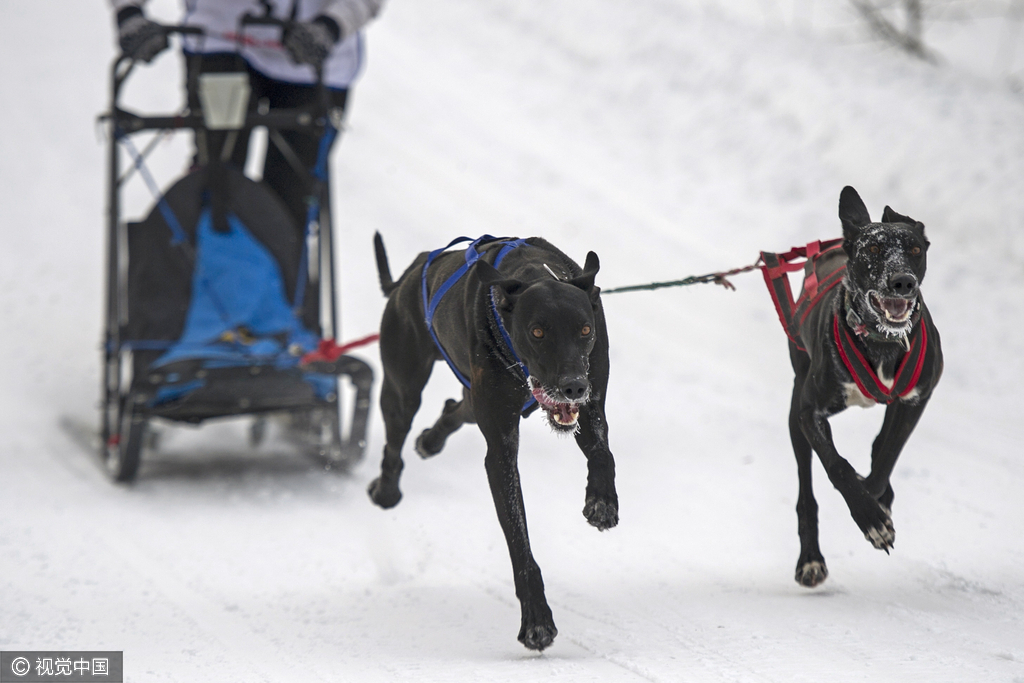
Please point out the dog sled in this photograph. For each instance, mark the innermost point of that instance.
(217, 304)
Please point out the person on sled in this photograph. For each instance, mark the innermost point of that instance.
(282, 66)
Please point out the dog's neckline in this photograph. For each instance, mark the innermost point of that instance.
(908, 369)
(504, 345)
(856, 323)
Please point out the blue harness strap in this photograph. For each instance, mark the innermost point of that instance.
(430, 303)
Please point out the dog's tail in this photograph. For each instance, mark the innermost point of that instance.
(387, 284)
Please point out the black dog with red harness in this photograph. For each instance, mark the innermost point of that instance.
(859, 334)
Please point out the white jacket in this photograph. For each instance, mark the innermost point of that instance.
(260, 46)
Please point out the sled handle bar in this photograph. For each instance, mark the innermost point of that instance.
(257, 20)
(294, 119)
(124, 64)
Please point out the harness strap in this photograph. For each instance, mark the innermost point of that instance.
(811, 277)
(774, 270)
(792, 313)
(907, 374)
(805, 304)
(430, 303)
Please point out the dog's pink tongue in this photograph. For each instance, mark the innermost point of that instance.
(564, 413)
(567, 412)
(895, 307)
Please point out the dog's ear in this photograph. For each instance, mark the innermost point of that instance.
(490, 277)
(890, 216)
(586, 280)
(852, 212)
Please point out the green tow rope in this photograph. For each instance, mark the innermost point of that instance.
(717, 278)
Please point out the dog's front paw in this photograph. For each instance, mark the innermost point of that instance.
(882, 537)
(538, 636)
(877, 527)
(601, 513)
(811, 573)
(383, 495)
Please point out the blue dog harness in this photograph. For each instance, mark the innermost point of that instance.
(430, 304)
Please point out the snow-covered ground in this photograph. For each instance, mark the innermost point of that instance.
(672, 138)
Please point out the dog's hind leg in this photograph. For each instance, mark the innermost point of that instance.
(406, 371)
(810, 567)
(900, 420)
(398, 411)
(500, 427)
(455, 414)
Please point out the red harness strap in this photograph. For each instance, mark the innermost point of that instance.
(775, 269)
(907, 374)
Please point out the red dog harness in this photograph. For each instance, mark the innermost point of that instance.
(907, 374)
(824, 267)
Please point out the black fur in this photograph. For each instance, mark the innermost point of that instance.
(886, 264)
(553, 313)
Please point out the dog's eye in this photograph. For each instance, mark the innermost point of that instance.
(915, 251)
(874, 249)
(585, 331)
(537, 332)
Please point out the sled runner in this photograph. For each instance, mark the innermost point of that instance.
(218, 304)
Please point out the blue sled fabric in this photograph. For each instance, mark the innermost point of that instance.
(237, 284)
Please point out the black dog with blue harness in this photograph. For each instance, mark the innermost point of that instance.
(522, 327)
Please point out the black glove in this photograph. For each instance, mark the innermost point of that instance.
(309, 42)
(139, 38)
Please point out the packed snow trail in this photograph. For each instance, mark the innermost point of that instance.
(671, 140)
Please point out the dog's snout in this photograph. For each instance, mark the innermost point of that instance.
(903, 284)
(574, 389)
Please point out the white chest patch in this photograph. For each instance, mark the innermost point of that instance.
(854, 396)
(911, 396)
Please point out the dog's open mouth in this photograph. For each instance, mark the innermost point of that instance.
(895, 310)
(562, 415)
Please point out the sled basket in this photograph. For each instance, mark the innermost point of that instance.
(216, 322)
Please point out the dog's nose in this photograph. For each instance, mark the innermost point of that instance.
(574, 389)
(903, 284)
